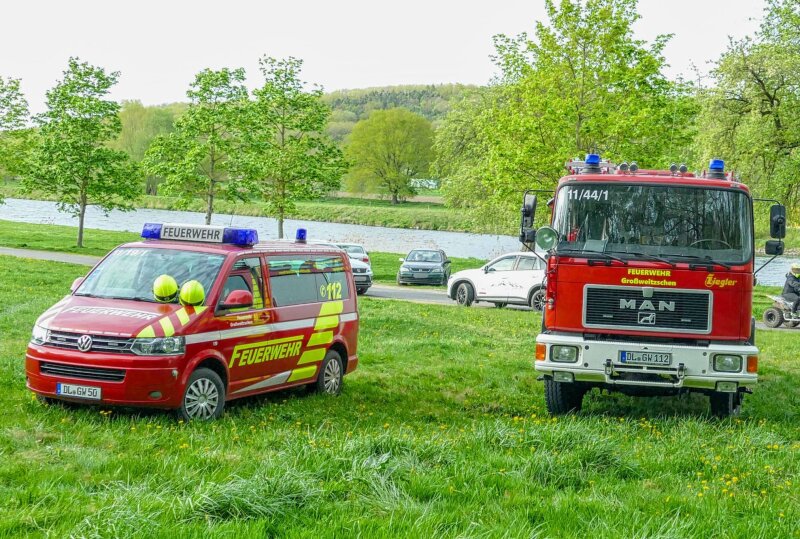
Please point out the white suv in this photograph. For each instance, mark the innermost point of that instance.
(511, 279)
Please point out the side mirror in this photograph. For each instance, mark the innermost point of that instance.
(774, 248)
(401, 259)
(237, 300)
(528, 210)
(777, 221)
(76, 283)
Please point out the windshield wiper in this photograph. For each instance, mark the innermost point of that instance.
(593, 254)
(645, 255)
(706, 260)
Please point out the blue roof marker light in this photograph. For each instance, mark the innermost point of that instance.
(592, 159)
(717, 165)
(300, 235)
(244, 237)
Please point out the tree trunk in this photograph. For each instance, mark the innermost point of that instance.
(210, 207)
(280, 223)
(394, 199)
(81, 217)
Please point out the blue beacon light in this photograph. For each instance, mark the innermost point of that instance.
(300, 236)
(151, 231)
(592, 159)
(240, 236)
(717, 165)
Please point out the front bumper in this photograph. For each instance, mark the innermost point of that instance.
(147, 381)
(421, 278)
(599, 363)
(362, 280)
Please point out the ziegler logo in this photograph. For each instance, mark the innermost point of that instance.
(647, 305)
(712, 281)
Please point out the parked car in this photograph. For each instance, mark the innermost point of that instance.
(357, 251)
(424, 266)
(513, 278)
(362, 272)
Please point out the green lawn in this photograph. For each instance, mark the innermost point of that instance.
(440, 432)
(99, 242)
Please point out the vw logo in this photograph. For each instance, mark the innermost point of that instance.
(85, 343)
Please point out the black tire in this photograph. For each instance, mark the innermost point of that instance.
(465, 294)
(398, 281)
(563, 397)
(204, 396)
(500, 305)
(536, 301)
(361, 291)
(331, 375)
(725, 404)
(773, 317)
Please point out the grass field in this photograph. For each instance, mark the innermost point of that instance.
(99, 242)
(441, 432)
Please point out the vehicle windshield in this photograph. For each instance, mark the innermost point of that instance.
(353, 249)
(128, 273)
(424, 256)
(674, 223)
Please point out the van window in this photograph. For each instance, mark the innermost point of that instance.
(245, 275)
(298, 279)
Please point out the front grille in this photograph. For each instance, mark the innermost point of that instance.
(665, 310)
(359, 270)
(422, 270)
(85, 373)
(100, 343)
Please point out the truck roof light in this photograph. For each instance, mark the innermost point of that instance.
(673, 168)
(300, 235)
(592, 159)
(683, 168)
(200, 233)
(716, 165)
(634, 167)
(623, 167)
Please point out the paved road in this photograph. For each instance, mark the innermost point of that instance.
(406, 293)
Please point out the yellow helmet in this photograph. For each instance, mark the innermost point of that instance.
(795, 268)
(192, 293)
(165, 288)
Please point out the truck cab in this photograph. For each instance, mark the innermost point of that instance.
(649, 285)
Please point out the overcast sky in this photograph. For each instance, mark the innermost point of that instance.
(159, 45)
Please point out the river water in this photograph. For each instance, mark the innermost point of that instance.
(374, 238)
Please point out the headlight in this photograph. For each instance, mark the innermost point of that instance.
(39, 335)
(405, 268)
(436, 270)
(159, 346)
(727, 363)
(564, 354)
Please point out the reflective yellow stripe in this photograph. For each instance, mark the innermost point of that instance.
(166, 325)
(199, 310)
(302, 374)
(323, 337)
(312, 356)
(326, 322)
(183, 316)
(331, 307)
(147, 332)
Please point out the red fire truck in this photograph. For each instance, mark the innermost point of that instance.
(259, 317)
(649, 284)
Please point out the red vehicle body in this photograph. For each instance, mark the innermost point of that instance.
(649, 287)
(282, 338)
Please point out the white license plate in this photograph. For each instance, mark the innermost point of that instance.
(79, 392)
(361, 278)
(421, 275)
(645, 358)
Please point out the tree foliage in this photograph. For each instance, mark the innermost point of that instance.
(751, 113)
(581, 84)
(195, 159)
(285, 154)
(15, 138)
(388, 150)
(72, 158)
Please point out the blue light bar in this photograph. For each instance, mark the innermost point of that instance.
(151, 231)
(717, 165)
(592, 159)
(200, 233)
(300, 236)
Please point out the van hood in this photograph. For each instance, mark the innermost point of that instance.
(118, 318)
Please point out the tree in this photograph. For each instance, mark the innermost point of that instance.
(581, 84)
(751, 113)
(285, 154)
(72, 159)
(195, 158)
(14, 137)
(388, 150)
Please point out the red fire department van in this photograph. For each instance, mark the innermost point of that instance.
(252, 317)
(649, 284)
